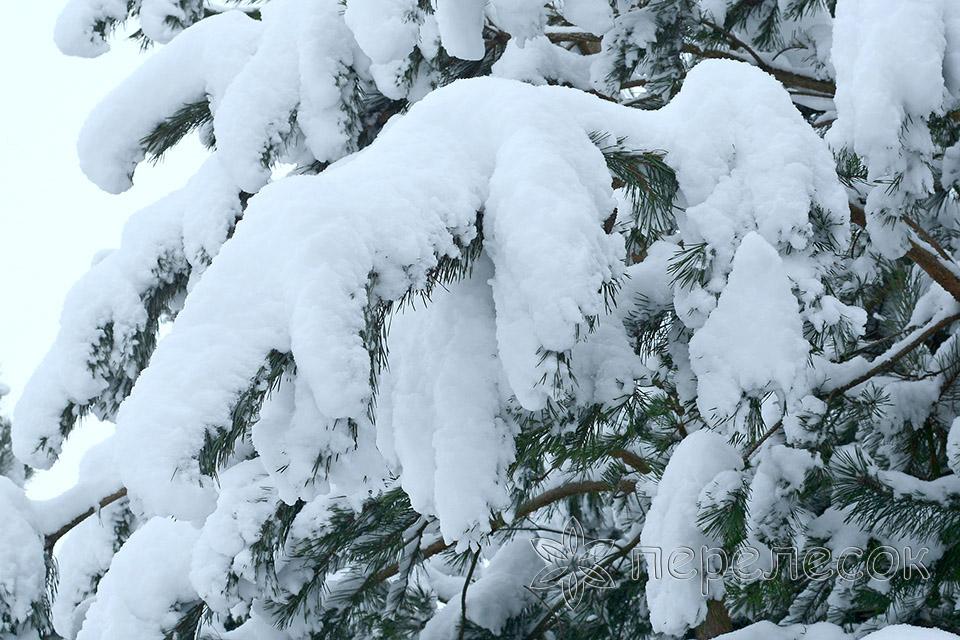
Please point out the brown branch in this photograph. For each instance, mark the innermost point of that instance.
(824, 88)
(925, 259)
(877, 369)
(577, 37)
(926, 237)
(737, 43)
(716, 623)
(463, 594)
(756, 445)
(886, 363)
(632, 459)
(54, 537)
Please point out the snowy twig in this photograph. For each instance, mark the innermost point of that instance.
(756, 445)
(52, 539)
(826, 89)
(881, 364)
(463, 594)
(544, 499)
(884, 362)
(737, 43)
(926, 260)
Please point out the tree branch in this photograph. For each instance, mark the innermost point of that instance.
(822, 87)
(52, 539)
(544, 499)
(925, 259)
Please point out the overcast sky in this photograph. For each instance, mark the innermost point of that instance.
(52, 219)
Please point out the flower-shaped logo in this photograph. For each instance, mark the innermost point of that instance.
(572, 564)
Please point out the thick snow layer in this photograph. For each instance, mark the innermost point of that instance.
(770, 631)
(222, 569)
(748, 162)
(161, 20)
(497, 594)
(522, 19)
(22, 567)
(77, 33)
(895, 63)
(906, 632)
(383, 28)
(889, 59)
(594, 16)
(97, 479)
(83, 558)
(198, 65)
(442, 406)
(539, 61)
(779, 477)
(461, 27)
(308, 245)
(677, 604)
(179, 233)
(146, 580)
(753, 341)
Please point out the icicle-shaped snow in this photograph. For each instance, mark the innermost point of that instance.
(753, 341)
(676, 604)
(440, 406)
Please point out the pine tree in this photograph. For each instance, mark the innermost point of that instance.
(467, 287)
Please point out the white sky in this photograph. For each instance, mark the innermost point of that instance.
(52, 220)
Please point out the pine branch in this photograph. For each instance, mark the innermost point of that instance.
(926, 260)
(789, 78)
(51, 540)
(887, 361)
(463, 593)
(547, 498)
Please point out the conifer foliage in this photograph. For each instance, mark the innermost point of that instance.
(468, 285)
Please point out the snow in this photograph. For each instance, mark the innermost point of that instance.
(222, 569)
(594, 16)
(82, 559)
(953, 446)
(441, 405)
(753, 341)
(495, 596)
(181, 233)
(906, 632)
(526, 327)
(770, 631)
(778, 479)
(198, 64)
(97, 479)
(890, 60)
(522, 19)
(383, 28)
(76, 32)
(539, 61)
(161, 20)
(307, 243)
(676, 604)
(461, 27)
(22, 567)
(146, 580)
